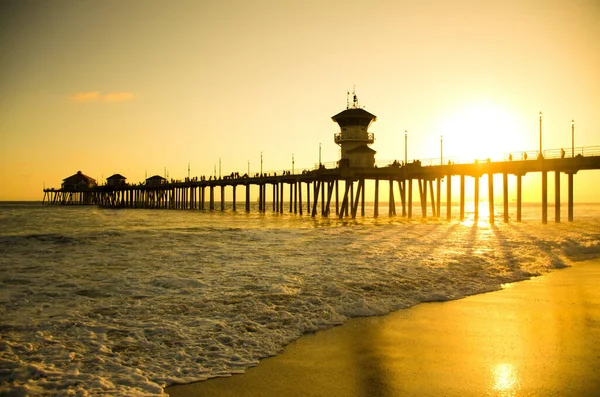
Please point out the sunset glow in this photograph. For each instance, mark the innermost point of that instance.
(482, 130)
(146, 87)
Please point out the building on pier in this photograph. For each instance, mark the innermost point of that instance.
(354, 137)
(78, 181)
(116, 180)
(155, 180)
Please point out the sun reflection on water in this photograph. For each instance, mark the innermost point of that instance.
(506, 381)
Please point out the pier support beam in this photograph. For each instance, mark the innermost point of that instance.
(557, 196)
(424, 200)
(277, 197)
(423, 208)
(247, 198)
(505, 196)
(439, 197)
(300, 197)
(330, 186)
(376, 200)
(337, 197)
(519, 196)
(402, 187)
(308, 197)
(359, 190)
(432, 195)
(410, 196)
(491, 196)
(476, 204)
(260, 197)
(223, 198)
(391, 201)
(322, 198)
(544, 197)
(344, 207)
(570, 197)
(296, 197)
(449, 197)
(351, 196)
(291, 198)
(362, 197)
(462, 197)
(316, 198)
(280, 199)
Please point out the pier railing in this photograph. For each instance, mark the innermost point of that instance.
(581, 151)
(323, 179)
(584, 151)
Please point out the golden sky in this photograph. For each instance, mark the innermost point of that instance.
(137, 87)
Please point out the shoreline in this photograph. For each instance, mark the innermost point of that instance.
(532, 337)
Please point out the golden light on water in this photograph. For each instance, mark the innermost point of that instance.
(505, 380)
(483, 214)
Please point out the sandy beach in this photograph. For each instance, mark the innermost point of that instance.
(537, 337)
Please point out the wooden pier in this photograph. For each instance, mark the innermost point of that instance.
(318, 191)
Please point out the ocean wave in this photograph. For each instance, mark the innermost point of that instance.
(48, 238)
(118, 311)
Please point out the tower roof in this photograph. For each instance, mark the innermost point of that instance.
(354, 113)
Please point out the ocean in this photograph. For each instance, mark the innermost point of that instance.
(124, 302)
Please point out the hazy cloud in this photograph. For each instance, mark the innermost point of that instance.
(118, 96)
(96, 96)
(86, 96)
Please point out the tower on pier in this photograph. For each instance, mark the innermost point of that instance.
(354, 137)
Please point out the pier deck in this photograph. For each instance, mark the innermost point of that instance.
(322, 186)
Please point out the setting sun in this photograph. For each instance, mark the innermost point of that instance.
(480, 130)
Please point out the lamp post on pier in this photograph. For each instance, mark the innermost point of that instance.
(248, 167)
(405, 146)
(540, 155)
(573, 138)
(319, 155)
(261, 163)
(292, 163)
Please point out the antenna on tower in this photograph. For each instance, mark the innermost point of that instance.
(354, 97)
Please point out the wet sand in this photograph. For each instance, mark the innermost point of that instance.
(538, 337)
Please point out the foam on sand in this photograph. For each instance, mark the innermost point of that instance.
(537, 337)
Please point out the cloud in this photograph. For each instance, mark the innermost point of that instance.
(118, 96)
(91, 96)
(96, 96)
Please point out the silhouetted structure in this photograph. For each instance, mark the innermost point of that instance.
(355, 165)
(354, 137)
(116, 180)
(155, 180)
(78, 181)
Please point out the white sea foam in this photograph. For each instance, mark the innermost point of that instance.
(102, 302)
